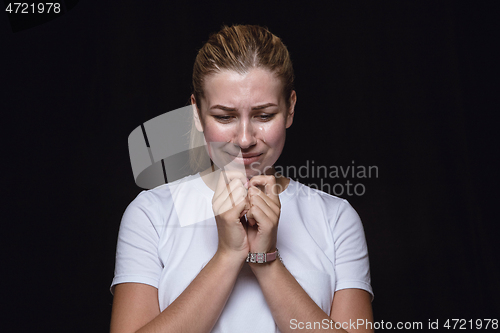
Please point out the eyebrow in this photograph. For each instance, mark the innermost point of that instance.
(258, 107)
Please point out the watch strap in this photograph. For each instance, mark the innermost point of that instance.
(261, 258)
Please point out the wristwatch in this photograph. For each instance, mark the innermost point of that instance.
(261, 258)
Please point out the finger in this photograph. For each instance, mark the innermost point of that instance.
(250, 218)
(235, 174)
(227, 191)
(251, 222)
(258, 201)
(241, 218)
(261, 219)
(255, 192)
(228, 188)
(229, 202)
(271, 188)
(245, 210)
(223, 183)
(239, 203)
(249, 215)
(225, 177)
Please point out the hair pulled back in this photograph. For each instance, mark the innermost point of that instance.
(241, 48)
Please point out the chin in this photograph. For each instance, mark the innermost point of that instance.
(252, 173)
(257, 170)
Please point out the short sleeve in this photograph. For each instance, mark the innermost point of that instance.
(137, 258)
(352, 267)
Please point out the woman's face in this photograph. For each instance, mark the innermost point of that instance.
(244, 119)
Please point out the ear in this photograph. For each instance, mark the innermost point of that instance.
(196, 117)
(291, 110)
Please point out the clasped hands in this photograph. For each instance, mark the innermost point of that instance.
(258, 199)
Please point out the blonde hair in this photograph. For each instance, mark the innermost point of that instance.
(239, 48)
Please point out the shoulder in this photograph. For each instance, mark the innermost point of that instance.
(313, 199)
(156, 202)
(164, 193)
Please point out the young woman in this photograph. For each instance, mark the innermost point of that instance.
(208, 274)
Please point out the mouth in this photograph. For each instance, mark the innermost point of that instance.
(247, 159)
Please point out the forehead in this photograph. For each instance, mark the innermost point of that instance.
(241, 90)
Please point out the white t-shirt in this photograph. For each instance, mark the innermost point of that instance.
(168, 234)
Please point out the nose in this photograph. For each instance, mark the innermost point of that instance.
(245, 138)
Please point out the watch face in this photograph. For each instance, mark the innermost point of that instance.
(261, 258)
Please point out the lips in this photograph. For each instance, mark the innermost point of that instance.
(247, 159)
(244, 155)
(251, 155)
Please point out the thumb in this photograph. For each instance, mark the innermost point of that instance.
(246, 208)
(251, 220)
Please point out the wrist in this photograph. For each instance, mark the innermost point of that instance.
(263, 257)
(233, 258)
(262, 261)
(265, 272)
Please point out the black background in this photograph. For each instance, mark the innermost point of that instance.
(408, 86)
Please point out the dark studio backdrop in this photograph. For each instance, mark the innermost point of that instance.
(410, 87)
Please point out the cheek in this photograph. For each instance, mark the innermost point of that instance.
(274, 136)
(214, 133)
